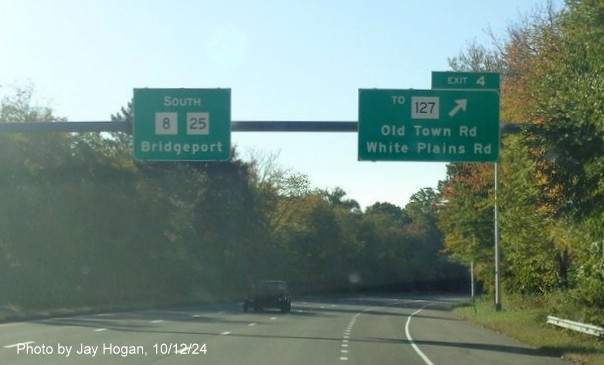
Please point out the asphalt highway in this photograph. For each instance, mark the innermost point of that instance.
(344, 331)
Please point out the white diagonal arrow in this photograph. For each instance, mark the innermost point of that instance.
(461, 104)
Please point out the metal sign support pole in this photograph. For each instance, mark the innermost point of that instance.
(497, 258)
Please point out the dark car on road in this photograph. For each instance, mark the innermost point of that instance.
(268, 294)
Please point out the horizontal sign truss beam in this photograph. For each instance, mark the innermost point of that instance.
(75, 127)
(293, 126)
(236, 126)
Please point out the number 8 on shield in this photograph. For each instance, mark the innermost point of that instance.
(166, 123)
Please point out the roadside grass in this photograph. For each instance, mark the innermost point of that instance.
(526, 322)
(14, 313)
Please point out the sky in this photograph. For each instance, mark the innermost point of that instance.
(301, 60)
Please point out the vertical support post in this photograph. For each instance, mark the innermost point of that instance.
(602, 273)
(497, 258)
(472, 293)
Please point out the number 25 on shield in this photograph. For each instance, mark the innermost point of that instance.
(198, 123)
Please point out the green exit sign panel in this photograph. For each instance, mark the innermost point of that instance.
(428, 125)
(466, 80)
(182, 124)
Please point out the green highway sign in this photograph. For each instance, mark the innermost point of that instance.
(465, 80)
(428, 125)
(182, 124)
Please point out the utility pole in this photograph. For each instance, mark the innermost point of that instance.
(497, 258)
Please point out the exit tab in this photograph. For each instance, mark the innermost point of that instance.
(466, 80)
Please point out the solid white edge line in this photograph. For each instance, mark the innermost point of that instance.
(10, 324)
(17, 344)
(408, 334)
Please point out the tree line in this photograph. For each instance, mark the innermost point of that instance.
(551, 170)
(82, 224)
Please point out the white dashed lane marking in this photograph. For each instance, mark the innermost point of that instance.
(346, 338)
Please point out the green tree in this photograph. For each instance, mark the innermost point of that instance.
(571, 115)
(395, 212)
(466, 217)
(19, 106)
(536, 262)
(478, 58)
(335, 197)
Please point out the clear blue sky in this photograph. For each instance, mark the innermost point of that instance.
(283, 60)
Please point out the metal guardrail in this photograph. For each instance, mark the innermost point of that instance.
(576, 326)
